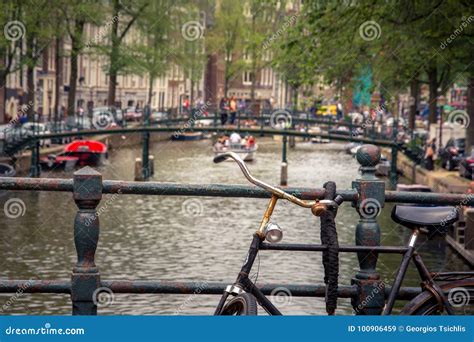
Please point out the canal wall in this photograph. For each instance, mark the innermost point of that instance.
(438, 180)
(113, 141)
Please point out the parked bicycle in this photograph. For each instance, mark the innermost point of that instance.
(442, 293)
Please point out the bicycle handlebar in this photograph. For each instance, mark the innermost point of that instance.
(275, 191)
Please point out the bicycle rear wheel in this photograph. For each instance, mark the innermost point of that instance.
(460, 295)
(244, 304)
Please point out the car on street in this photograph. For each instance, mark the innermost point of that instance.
(36, 128)
(109, 114)
(59, 127)
(466, 167)
(132, 114)
(452, 153)
(157, 116)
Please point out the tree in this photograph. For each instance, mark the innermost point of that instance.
(124, 13)
(153, 53)
(264, 19)
(292, 60)
(10, 47)
(38, 35)
(226, 38)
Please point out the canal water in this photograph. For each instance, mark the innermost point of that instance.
(194, 239)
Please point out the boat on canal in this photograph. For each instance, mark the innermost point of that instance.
(246, 148)
(88, 152)
(187, 136)
(7, 170)
(59, 162)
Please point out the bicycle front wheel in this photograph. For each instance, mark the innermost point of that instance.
(244, 304)
(460, 295)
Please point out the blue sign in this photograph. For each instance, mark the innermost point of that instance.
(236, 329)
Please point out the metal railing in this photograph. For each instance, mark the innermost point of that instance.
(87, 188)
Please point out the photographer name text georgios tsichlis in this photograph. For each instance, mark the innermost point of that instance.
(407, 328)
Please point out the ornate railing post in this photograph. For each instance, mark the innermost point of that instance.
(85, 279)
(371, 190)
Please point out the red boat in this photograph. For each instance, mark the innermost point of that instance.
(58, 162)
(89, 152)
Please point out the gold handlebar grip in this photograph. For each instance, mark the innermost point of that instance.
(275, 191)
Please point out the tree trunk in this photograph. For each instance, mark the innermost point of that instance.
(112, 88)
(191, 100)
(433, 85)
(114, 56)
(414, 94)
(150, 89)
(71, 97)
(58, 61)
(253, 76)
(3, 93)
(470, 112)
(226, 86)
(30, 83)
(75, 52)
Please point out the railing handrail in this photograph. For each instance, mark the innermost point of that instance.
(223, 190)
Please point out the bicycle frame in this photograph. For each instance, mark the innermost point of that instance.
(244, 284)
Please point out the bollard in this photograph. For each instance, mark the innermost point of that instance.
(292, 141)
(85, 278)
(138, 169)
(35, 168)
(284, 174)
(151, 164)
(371, 199)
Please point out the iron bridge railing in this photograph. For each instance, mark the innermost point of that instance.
(87, 188)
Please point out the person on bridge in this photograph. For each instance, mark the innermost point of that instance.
(224, 107)
(233, 109)
(429, 154)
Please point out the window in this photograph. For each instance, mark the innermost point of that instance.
(247, 78)
(266, 77)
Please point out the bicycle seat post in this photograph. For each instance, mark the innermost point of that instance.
(401, 272)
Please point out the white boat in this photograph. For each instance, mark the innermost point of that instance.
(246, 153)
(317, 140)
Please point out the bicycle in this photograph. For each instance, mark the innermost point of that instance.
(435, 298)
